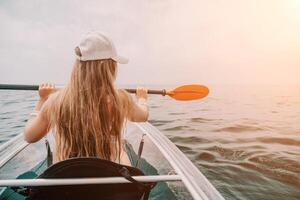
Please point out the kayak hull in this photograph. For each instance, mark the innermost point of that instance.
(160, 157)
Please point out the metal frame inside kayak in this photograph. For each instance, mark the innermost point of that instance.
(197, 184)
(85, 181)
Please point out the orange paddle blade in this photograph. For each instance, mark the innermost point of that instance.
(189, 92)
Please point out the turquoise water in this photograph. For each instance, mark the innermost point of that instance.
(246, 140)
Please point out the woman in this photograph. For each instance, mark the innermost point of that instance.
(87, 116)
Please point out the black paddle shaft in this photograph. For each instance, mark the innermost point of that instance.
(18, 87)
(36, 87)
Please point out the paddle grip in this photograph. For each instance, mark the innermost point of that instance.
(161, 92)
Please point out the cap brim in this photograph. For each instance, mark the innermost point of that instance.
(120, 59)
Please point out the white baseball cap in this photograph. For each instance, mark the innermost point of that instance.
(96, 46)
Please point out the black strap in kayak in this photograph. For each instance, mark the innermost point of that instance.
(49, 154)
(144, 186)
(141, 146)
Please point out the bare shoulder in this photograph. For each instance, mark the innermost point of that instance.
(46, 108)
(122, 92)
(126, 100)
(52, 98)
(123, 95)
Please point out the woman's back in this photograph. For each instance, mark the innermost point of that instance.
(87, 116)
(49, 112)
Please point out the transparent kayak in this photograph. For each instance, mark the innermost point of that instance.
(161, 161)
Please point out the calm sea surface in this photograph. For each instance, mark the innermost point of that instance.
(246, 140)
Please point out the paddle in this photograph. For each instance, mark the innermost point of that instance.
(182, 93)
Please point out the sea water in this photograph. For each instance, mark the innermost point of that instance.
(244, 139)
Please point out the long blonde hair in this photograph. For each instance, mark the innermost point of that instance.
(87, 115)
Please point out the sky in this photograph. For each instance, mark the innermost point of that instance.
(167, 41)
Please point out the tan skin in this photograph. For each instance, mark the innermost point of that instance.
(37, 127)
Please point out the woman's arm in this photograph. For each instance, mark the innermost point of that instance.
(137, 111)
(37, 126)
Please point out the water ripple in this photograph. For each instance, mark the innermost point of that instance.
(240, 129)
